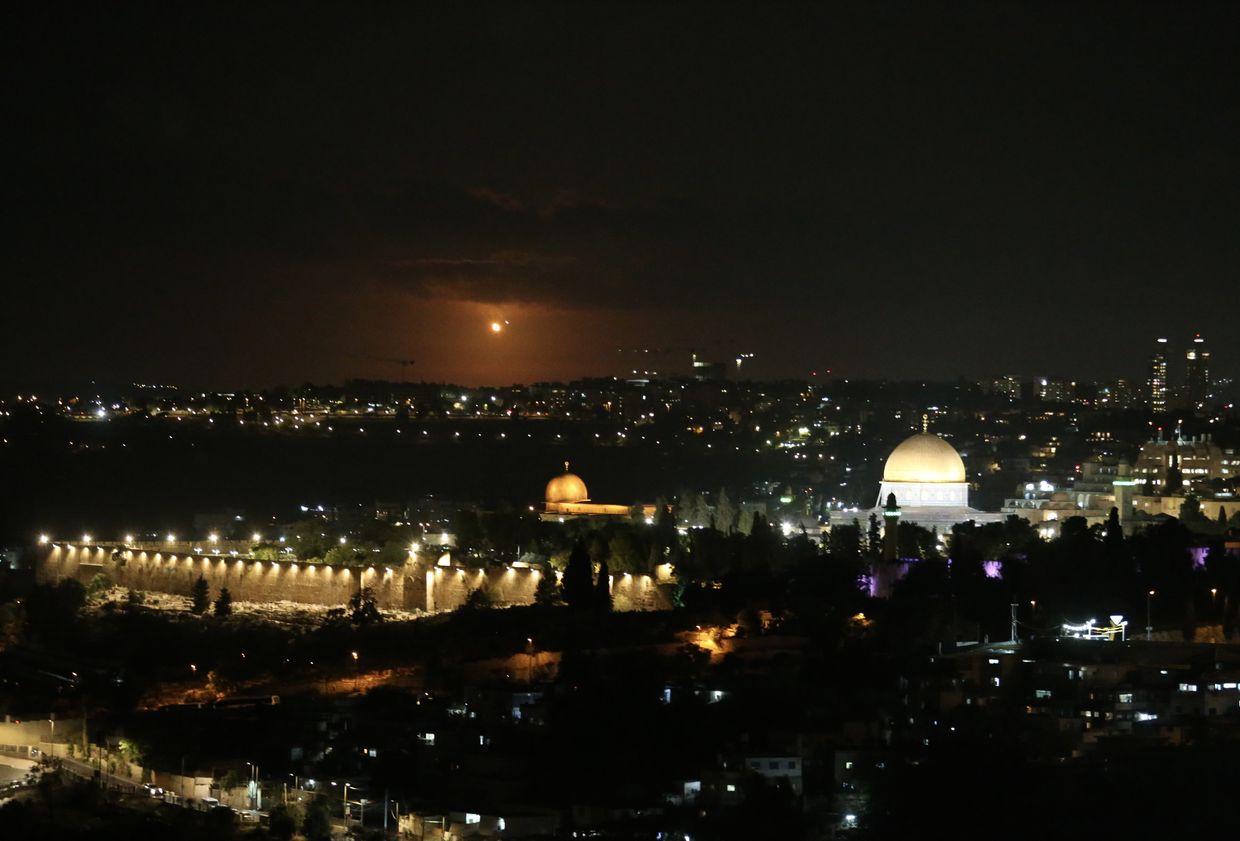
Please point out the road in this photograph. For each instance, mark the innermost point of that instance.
(87, 772)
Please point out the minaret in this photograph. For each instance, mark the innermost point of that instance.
(891, 529)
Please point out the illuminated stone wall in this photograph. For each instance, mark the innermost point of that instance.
(450, 586)
(639, 592)
(415, 586)
(246, 580)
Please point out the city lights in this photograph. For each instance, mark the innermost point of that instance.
(790, 602)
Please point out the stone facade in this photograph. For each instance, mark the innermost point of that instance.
(417, 585)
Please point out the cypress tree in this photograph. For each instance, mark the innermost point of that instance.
(547, 592)
(201, 596)
(725, 512)
(1115, 532)
(602, 587)
(874, 537)
(578, 583)
(223, 605)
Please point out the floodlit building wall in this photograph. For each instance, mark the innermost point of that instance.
(417, 585)
(246, 580)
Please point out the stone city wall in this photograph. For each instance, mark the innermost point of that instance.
(247, 580)
(417, 585)
(434, 588)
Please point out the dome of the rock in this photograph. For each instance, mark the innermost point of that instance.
(924, 458)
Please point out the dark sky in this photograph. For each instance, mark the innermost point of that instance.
(228, 195)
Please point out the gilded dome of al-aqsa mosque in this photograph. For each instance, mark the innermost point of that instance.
(566, 497)
(567, 487)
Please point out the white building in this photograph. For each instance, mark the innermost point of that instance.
(927, 477)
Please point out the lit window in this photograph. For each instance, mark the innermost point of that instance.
(470, 817)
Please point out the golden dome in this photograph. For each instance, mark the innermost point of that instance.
(924, 458)
(567, 487)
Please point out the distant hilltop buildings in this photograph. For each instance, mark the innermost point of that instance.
(1161, 391)
(1194, 391)
(1165, 475)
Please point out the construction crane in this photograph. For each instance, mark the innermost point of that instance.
(404, 367)
(403, 363)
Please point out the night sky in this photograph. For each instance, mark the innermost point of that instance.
(236, 196)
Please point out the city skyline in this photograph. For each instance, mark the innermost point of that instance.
(891, 191)
(517, 421)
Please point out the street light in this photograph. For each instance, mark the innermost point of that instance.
(1149, 626)
(344, 806)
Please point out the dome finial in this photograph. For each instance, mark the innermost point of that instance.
(925, 423)
(566, 466)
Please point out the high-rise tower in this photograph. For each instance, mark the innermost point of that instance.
(1157, 382)
(1196, 372)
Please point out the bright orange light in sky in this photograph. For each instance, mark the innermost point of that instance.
(496, 327)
